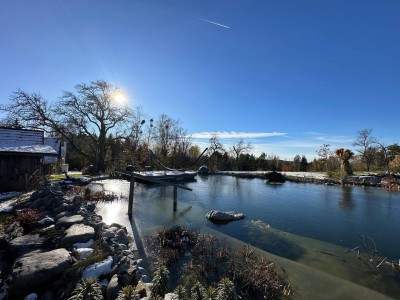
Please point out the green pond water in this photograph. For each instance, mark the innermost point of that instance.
(308, 229)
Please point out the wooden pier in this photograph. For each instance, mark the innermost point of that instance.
(133, 176)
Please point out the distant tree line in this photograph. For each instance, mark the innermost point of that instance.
(106, 135)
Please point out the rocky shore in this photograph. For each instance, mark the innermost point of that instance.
(46, 259)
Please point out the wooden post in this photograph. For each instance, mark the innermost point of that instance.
(175, 196)
(131, 192)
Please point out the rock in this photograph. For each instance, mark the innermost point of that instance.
(141, 289)
(219, 216)
(32, 271)
(46, 220)
(24, 244)
(203, 170)
(108, 234)
(171, 296)
(32, 296)
(113, 288)
(122, 237)
(78, 199)
(275, 177)
(77, 233)
(67, 221)
(82, 253)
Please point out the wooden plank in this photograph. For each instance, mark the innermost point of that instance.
(159, 181)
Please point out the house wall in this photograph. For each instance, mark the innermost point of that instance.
(15, 169)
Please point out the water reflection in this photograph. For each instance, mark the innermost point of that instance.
(345, 202)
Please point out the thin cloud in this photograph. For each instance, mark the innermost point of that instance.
(236, 135)
(215, 23)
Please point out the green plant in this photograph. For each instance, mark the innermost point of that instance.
(87, 193)
(198, 292)
(226, 290)
(160, 281)
(181, 293)
(89, 289)
(128, 293)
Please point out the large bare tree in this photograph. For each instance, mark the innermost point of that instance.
(365, 146)
(240, 148)
(89, 114)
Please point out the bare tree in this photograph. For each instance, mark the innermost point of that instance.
(88, 115)
(215, 144)
(240, 148)
(324, 153)
(365, 142)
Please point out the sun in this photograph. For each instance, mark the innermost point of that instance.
(120, 98)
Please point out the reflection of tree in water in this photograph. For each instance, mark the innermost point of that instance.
(272, 241)
(345, 200)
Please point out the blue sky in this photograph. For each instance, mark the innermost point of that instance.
(287, 76)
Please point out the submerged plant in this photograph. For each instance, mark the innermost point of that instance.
(160, 281)
(89, 289)
(198, 292)
(128, 293)
(226, 290)
(181, 293)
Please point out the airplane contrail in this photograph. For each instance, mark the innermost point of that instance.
(205, 20)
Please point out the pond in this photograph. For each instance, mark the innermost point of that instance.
(314, 225)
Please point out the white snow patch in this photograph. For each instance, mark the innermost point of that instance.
(96, 270)
(8, 195)
(82, 253)
(84, 245)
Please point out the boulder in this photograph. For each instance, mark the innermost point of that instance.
(26, 243)
(78, 233)
(67, 221)
(113, 288)
(275, 177)
(219, 216)
(37, 269)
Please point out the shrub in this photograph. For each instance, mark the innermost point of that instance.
(89, 289)
(28, 216)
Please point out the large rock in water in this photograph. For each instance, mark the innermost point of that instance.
(275, 177)
(220, 216)
(34, 270)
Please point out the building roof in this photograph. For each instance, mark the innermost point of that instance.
(10, 137)
(24, 141)
(40, 150)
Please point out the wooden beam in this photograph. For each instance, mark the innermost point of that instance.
(148, 178)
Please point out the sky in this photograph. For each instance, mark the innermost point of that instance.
(287, 76)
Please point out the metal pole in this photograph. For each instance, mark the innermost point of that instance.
(175, 196)
(131, 192)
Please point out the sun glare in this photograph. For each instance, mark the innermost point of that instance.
(120, 98)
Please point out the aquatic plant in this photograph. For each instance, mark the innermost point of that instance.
(89, 289)
(226, 290)
(198, 292)
(181, 293)
(210, 261)
(100, 196)
(160, 281)
(128, 293)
